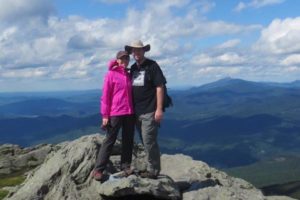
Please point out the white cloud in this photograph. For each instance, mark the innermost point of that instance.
(53, 45)
(80, 41)
(280, 37)
(77, 48)
(24, 73)
(202, 60)
(192, 25)
(262, 3)
(218, 71)
(292, 69)
(7, 33)
(206, 5)
(225, 59)
(154, 14)
(112, 1)
(231, 58)
(63, 40)
(293, 59)
(241, 6)
(256, 4)
(20, 10)
(229, 44)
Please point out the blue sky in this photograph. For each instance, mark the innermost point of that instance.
(65, 44)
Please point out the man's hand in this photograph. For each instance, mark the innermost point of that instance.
(158, 116)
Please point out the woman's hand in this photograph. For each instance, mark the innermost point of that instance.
(105, 121)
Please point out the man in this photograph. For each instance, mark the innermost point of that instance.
(148, 93)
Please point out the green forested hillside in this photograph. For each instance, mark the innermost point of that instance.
(269, 172)
(291, 189)
(277, 176)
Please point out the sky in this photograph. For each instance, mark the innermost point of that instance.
(50, 45)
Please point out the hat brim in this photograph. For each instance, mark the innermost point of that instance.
(129, 48)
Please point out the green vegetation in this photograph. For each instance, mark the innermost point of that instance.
(3, 194)
(279, 176)
(288, 189)
(32, 159)
(277, 171)
(9, 181)
(5, 151)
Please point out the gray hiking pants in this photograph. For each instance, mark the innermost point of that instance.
(148, 129)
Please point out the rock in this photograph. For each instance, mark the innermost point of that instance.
(199, 181)
(14, 158)
(65, 174)
(161, 188)
(278, 198)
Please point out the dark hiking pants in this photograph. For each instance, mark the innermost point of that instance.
(126, 122)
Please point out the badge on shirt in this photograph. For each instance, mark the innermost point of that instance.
(138, 78)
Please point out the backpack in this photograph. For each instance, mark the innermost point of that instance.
(168, 102)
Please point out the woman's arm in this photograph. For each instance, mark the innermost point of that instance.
(106, 99)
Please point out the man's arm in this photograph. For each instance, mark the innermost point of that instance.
(159, 103)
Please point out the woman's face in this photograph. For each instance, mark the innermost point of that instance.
(124, 60)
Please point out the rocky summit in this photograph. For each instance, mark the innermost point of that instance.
(14, 158)
(65, 174)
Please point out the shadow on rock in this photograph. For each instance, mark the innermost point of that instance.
(134, 197)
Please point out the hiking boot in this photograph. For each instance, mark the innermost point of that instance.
(147, 174)
(97, 175)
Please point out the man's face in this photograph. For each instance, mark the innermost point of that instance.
(138, 54)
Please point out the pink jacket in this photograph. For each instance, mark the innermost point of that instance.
(117, 92)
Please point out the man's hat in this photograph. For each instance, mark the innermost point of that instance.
(137, 44)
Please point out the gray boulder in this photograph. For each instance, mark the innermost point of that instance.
(161, 188)
(13, 158)
(279, 198)
(199, 181)
(65, 174)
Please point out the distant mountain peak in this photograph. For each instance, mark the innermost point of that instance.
(226, 78)
(229, 83)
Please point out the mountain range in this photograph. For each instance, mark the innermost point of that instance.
(227, 123)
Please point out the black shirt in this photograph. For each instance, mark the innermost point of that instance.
(145, 79)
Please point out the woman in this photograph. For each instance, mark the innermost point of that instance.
(117, 112)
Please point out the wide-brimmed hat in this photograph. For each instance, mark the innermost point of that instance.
(137, 44)
(120, 54)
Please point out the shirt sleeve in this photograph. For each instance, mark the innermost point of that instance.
(158, 76)
(106, 97)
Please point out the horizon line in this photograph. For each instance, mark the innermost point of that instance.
(176, 87)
